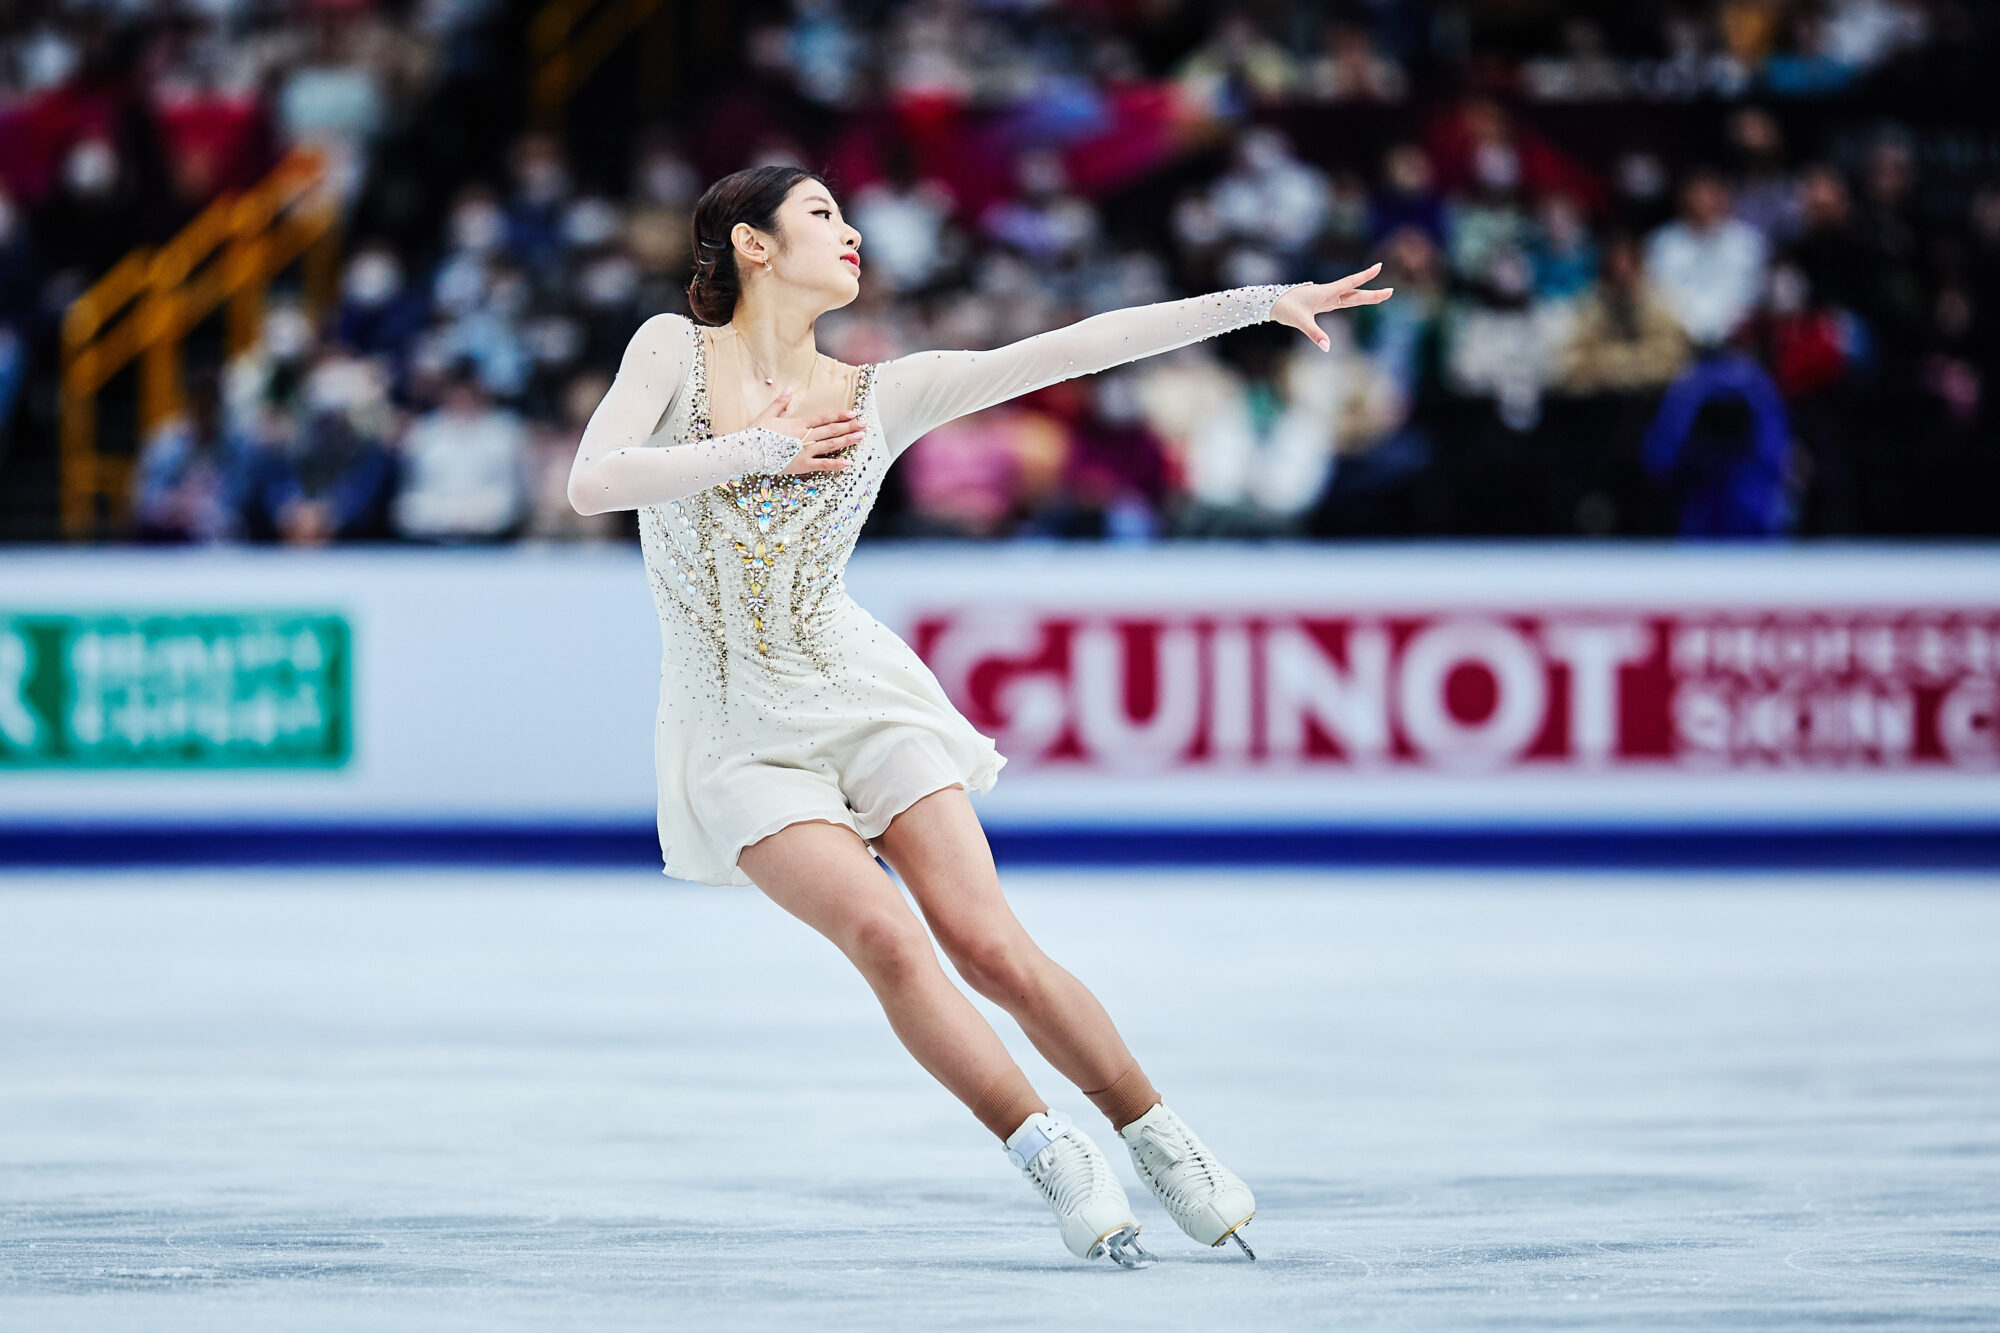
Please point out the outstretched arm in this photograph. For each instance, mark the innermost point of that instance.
(921, 391)
(617, 467)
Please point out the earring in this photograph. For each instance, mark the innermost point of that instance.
(767, 268)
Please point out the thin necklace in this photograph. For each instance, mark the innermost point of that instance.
(802, 389)
(741, 342)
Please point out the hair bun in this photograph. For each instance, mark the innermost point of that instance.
(750, 197)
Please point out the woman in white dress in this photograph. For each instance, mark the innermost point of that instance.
(798, 737)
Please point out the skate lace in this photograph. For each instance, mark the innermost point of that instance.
(1187, 1175)
(1072, 1176)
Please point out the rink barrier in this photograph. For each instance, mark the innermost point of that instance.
(1943, 847)
(1203, 702)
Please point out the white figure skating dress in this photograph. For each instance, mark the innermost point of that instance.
(781, 699)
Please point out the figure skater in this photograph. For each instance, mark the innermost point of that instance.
(798, 738)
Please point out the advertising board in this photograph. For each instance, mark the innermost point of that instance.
(1243, 693)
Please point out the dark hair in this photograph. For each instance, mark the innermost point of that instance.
(751, 195)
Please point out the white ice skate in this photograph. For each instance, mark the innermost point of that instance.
(1208, 1200)
(1090, 1205)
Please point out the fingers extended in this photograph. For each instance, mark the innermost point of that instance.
(1366, 296)
(1353, 280)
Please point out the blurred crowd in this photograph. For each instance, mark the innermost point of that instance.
(120, 120)
(1786, 329)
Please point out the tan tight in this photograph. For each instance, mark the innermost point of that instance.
(823, 874)
(1007, 1101)
(1130, 1096)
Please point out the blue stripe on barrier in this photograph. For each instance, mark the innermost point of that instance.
(1718, 847)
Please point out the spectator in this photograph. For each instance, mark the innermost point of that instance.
(1237, 67)
(335, 99)
(1890, 229)
(662, 177)
(1719, 448)
(1806, 65)
(1350, 69)
(1561, 249)
(475, 237)
(903, 219)
(973, 477)
(663, 195)
(1865, 33)
(1408, 197)
(1624, 350)
(1811, 349)
(1489, 220)
(465, 467)
(825, 52)
(1113, 483)
(1765, 194)
(1626, 340)
(319, 482)
(489, 334)
(1271, 198)
(1375, 451)
(263, 387)
(217, 137)
(1503, 345)
(1692, 66)
(316, 426)
(1405, 336)
(607, 278)
(1177, 393)
(1640, 199)
(1478, 147)
(1047, 223)
(1708, 265)
(378, 316)
(1257, 448)
(551, 515)
(188, 477)
(1584, 72)
(1344, 234)
(1833, 258)
(541, 193)
(1805, 344)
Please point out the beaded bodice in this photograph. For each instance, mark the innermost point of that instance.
(746, 560)
(754, 564)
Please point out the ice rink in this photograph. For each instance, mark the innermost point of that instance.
(456, 1100)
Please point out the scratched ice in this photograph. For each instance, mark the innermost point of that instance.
(496, 1101)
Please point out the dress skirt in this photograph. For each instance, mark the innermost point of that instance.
(856, 749)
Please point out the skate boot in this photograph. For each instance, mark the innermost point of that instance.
(1060, 1160)
(1209, 1201)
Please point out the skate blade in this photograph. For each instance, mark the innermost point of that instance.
(1235, 1233)
(1122, 1248)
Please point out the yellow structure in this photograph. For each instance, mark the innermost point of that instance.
(148, 303)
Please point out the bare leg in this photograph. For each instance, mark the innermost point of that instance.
(941, 853)
(823, 874)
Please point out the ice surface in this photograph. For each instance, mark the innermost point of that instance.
(450, 1101)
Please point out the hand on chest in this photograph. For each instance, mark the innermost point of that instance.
(740, 396)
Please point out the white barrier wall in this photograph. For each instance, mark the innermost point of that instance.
(1182, 686)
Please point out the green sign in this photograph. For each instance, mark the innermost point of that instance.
(257, 690)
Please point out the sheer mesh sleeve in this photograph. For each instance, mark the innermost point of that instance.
(622, 464)
(921, 391)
